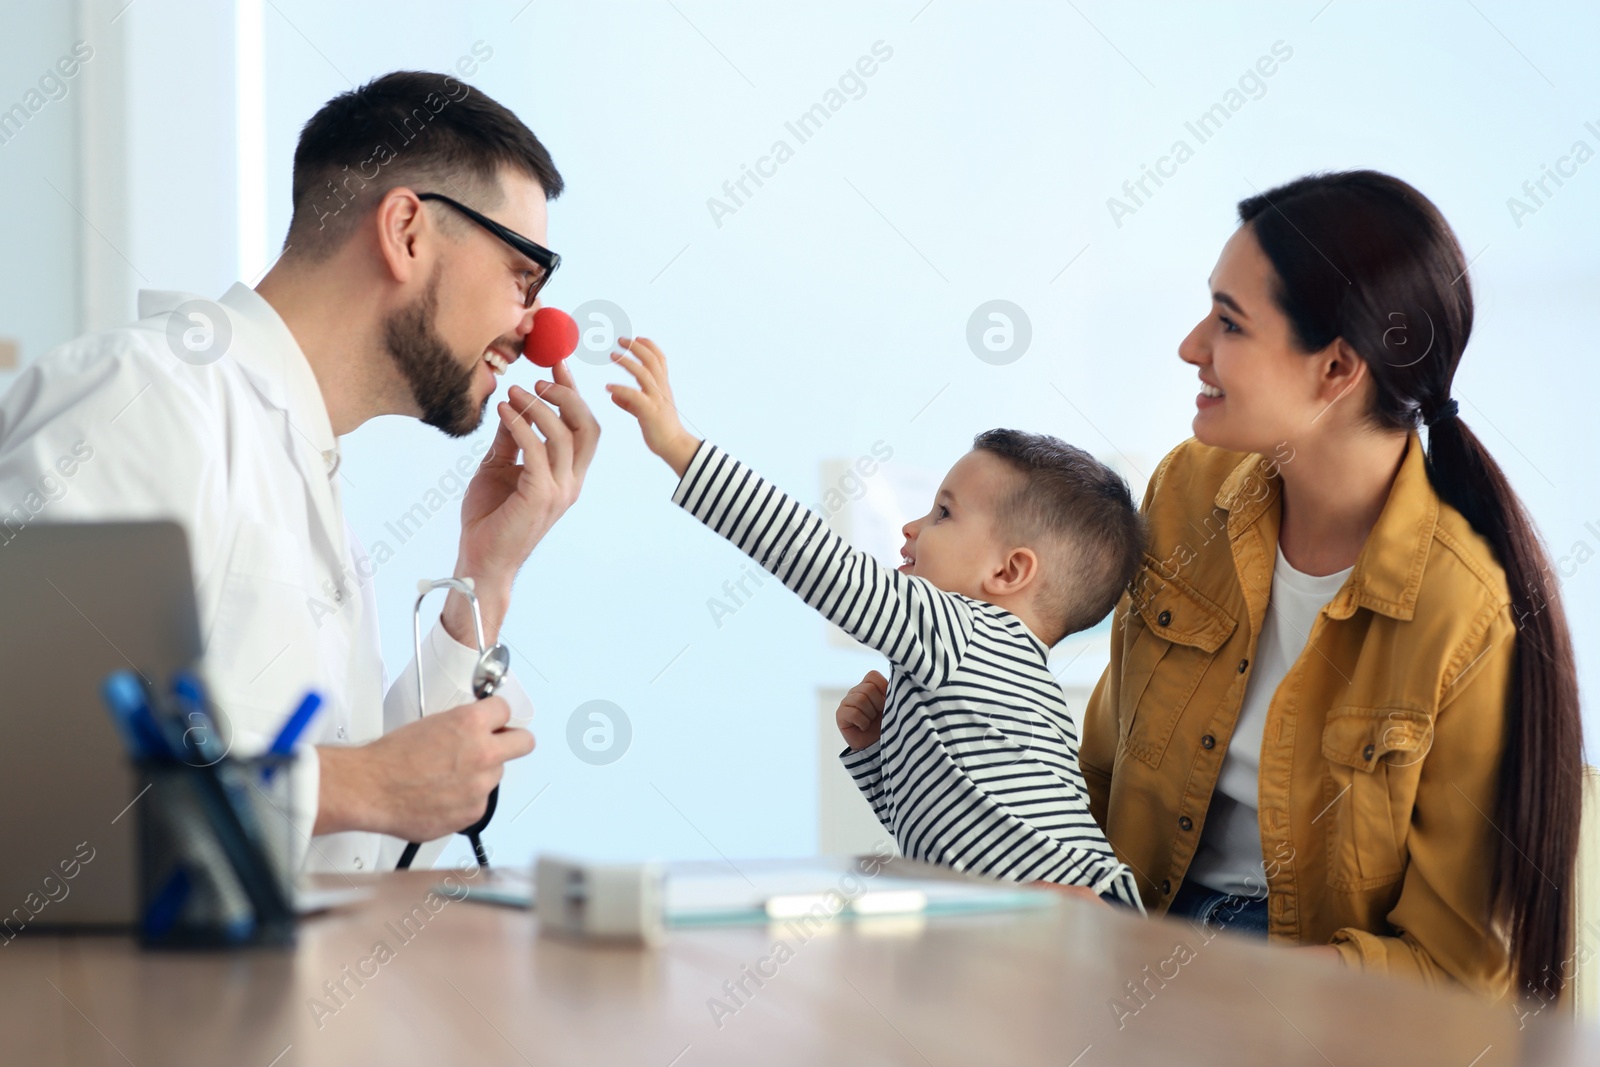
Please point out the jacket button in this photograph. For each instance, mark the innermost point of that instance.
(1185, 823)
(1367, 752)
(1164, 618)
(1208, 741)
(1166, 886)
(1243, 665)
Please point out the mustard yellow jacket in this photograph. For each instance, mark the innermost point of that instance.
(1382, 745)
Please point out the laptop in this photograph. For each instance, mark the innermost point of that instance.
(79, 601)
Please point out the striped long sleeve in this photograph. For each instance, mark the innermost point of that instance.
(976, 765)
(922, 630)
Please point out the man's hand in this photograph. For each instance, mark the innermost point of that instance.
(860, 714)
(652, 404)
(510, 506)
(425, 780)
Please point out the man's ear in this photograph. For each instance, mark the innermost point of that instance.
(400, 224)
(1015, 573)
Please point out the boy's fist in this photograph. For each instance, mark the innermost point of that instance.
(651, 403)
(860, 714)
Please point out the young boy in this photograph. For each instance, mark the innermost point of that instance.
(974, 761)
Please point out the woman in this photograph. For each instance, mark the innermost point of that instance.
(1342, 706)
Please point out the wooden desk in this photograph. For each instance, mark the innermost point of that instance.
(475, 984)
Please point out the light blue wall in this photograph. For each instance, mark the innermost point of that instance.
(180, 113)
(825, 314)
(39, 257)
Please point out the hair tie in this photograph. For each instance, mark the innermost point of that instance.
(1448, 410)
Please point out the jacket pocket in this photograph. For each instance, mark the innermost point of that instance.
(1373, 759)
(1179, 633)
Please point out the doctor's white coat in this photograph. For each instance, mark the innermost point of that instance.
(240, 451)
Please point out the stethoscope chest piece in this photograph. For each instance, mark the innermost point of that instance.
(494, 662)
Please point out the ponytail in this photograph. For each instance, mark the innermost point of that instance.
(1540, 792)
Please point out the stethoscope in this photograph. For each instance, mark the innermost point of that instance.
(493, 663)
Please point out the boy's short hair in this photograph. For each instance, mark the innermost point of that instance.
(1078, 514)
(418, 129)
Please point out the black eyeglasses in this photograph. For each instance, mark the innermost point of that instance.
(547, 260)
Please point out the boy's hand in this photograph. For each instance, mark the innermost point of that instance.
(652, 404)
(860, 714)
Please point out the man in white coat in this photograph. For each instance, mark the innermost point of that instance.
(409, 280)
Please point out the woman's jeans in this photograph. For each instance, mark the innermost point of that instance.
(1221, 911)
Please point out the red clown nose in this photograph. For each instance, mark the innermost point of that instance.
(553, 339)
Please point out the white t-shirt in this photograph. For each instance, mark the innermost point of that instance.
(1229, 858)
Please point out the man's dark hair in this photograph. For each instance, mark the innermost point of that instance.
(1078, 514)
(418, 129)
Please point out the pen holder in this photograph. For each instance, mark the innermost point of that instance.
(216, 846)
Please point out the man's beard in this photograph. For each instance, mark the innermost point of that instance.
(440, 385)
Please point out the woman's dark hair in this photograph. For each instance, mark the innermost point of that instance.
(1365, 257)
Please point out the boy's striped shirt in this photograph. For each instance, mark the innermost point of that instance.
(976, 767)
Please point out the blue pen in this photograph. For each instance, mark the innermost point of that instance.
(283, 744)
(163, 912)
(129, 702)
(200, 735)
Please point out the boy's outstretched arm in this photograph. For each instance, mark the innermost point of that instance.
(922, 629)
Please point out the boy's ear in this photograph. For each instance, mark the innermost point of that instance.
(1015, 573)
